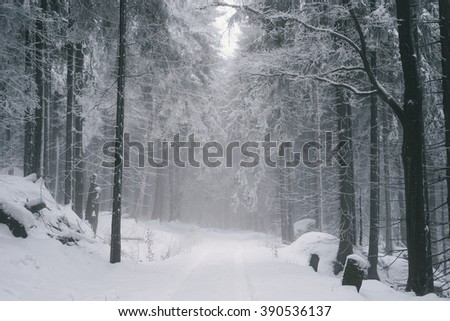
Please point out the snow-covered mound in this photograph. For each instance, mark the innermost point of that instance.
(322, 244)
(26, 200)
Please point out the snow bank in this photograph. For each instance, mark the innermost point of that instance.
(322, 244)
(148, 241)
(19, 194)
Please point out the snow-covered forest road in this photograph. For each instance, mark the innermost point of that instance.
(218, 265)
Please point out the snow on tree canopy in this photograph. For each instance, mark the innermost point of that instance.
(322, 244)
(52, 221)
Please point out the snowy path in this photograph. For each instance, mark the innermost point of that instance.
(223, 265)
(220, 273)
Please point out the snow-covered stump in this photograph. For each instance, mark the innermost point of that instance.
(314, 262)
(16, 228)
(355, 271)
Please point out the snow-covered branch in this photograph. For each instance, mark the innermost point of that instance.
(293, 76)
(361, 50)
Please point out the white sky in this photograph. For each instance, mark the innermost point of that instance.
(229, 36)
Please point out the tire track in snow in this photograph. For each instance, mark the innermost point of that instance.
(220, 275)
(183, 274)
(243, 274)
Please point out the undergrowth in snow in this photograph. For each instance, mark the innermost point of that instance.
(18, 194)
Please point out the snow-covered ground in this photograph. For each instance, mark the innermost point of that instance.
(222, 265)
(171, 261)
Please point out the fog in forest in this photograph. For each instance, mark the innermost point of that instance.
(277, 117)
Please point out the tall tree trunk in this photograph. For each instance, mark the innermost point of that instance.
(57, 169)
(386, 171)
(118, 166)
(46, 144)
(347, 209)
(69, 125)
(318, 176)
(444, 17)
(433, 198)
(290, 204)
(38, 113)
(374, 174)
(78, 170)
(360, 220)
(28, 150)
(283, 205)
(443, 234)
(158, 201)
(347, 226)
(137, 211)
(412, 151)
(139, 207)
(374, 184)
(173, 193)
(402, 216)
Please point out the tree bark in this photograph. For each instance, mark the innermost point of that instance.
(283, 206)
(69, 125)
(347, 209)
(115, 255)
(318, 177)
(444, 18)
(374, 173)
(28, 152)
(39, 78)
(92, 203)
(386, 171)
(78, 170)
(158, 201)
(374, 184)
(290, 204)
(47, 124)
(412, 151)
(138, 209)
(174, 193)
(402, 216)
(347, 226)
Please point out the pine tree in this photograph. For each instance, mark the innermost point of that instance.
(412, 150)
(115, 256)
(444, 21)
(374, 174)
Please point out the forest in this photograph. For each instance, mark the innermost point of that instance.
(94, 93)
